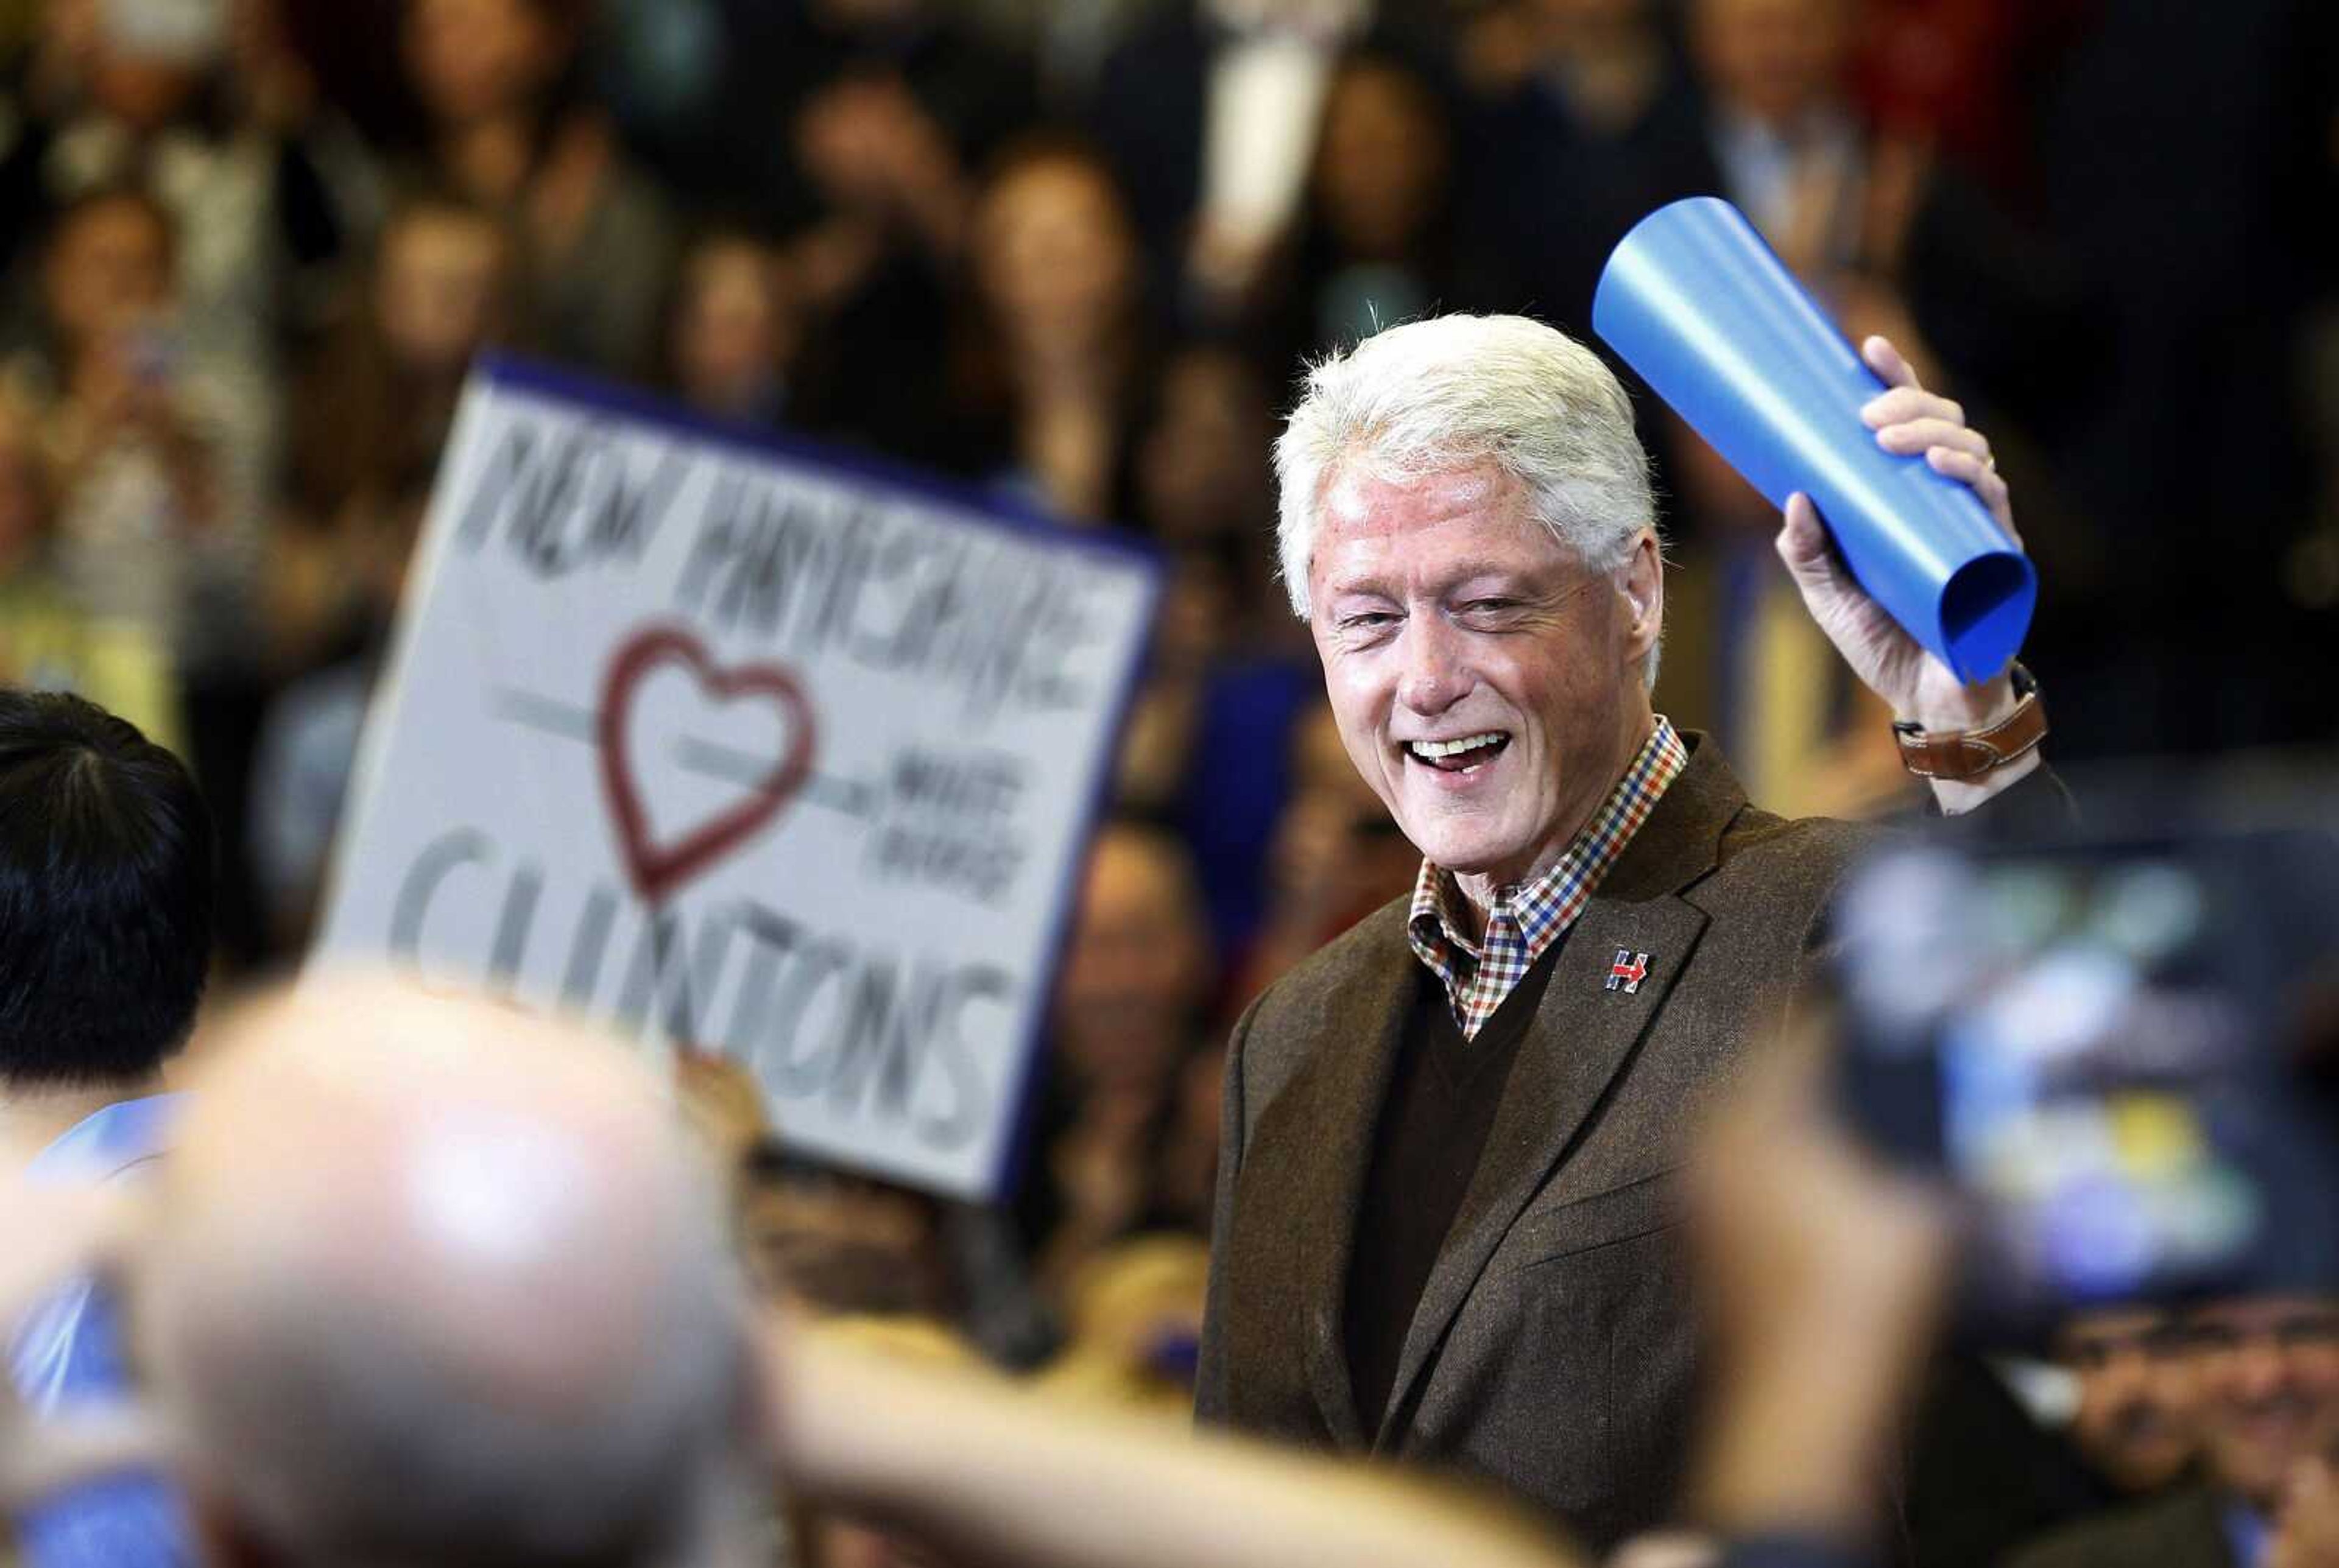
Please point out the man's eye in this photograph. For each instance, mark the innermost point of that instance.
(1367, 620)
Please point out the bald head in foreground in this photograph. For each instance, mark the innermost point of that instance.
(430, 1282)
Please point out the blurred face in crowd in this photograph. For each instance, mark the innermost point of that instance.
(1381, 165)
(1196, 612)
(471, 60)
(2266, 1375)
(1198, 466)
(1776, 59)
(837, 1244)
(109, 268)
(1335, 848)
(1140, 963)
(2134, 1421)
(145, 95)
(734, 328)
(438, 295)
(1054, 254)
(144, 60)
(1445, 614)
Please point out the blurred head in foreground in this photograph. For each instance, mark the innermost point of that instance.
(2134, 1421)
(105, 898)
(434, 1283)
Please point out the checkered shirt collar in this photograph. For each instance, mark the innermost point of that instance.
(1528, 918)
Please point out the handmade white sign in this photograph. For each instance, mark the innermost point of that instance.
(747, 750)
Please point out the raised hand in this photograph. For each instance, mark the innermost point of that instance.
(1911, 421)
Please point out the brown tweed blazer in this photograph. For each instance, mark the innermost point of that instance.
(1554, 1348)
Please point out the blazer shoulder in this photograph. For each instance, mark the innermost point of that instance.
(1756, 832)
(1346, 984)
(1332, 971)
(1781, 868)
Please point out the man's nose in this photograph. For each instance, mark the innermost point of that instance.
(1436, 674)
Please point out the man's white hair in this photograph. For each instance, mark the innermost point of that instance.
(1454, 390)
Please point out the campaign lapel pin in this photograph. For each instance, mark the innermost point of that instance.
(1627, 972)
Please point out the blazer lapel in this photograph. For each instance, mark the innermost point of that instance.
(1328, 1115)
(1582, 1039)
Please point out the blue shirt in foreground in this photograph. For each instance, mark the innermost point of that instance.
(67, 1354)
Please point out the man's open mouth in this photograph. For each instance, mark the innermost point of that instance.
(1459, 754)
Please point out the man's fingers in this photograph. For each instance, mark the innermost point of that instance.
(1888, 362)
(1902, 405)
(1981, 473)
(1924, 435)
(1802, 542)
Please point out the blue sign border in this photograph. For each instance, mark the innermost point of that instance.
(512, 373)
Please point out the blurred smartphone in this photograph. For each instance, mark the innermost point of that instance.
(2100, 1046)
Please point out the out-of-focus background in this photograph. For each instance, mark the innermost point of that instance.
(1076, 252)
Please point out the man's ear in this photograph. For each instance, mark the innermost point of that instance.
(1641, 582)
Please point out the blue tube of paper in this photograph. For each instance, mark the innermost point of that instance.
(1698, 304)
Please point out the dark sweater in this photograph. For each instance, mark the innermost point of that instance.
(1442, 1099)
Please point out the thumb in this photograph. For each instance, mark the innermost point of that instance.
(1802, 543)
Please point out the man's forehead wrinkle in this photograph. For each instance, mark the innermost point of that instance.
(1363, 461)
(1371, 538)
(1438, 578)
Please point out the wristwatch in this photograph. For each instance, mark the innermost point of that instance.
(1969, 753)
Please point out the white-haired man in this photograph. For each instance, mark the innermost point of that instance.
(1446, 1229)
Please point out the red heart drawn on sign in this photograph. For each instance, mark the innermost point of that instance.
(657, 869)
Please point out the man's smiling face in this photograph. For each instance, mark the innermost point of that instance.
(1486, 683)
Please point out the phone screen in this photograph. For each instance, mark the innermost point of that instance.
(2091, 1044)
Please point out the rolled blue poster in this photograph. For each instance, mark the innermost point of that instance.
(1711, 318)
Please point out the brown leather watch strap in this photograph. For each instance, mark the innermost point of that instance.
(1969, 753)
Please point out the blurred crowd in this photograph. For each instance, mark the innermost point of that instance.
(1072, 252)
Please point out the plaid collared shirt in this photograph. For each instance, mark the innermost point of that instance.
(1528, 917)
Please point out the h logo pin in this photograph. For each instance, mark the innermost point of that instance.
(1628, 972)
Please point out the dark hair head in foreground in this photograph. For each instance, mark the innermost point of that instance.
(107, 864)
